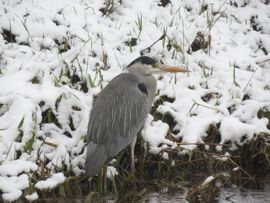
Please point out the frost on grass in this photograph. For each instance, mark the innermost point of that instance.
(50, 183)
(111, 172)
(207, 180)
(56, 56)
(32, 197)
(12, 187)
(154, 133)
(11, 168)
(232, 129)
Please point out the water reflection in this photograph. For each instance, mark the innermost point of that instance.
(228, 195)
(253, 193)
(239, 195)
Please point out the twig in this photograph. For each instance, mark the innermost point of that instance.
(212, 144)
(234, 77)
(263, 59)
(244, 171)
(50, 144)
(249, 81)
(148, 49)
(108, 9)
(198, 104)
(9, 149)
(139, 24)
(24, 25)
(118, 61)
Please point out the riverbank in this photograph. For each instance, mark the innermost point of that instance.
(56, 56)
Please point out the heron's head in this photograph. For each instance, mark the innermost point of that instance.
(147, 66)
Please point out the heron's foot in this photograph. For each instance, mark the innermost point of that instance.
(133, 182)
(102, 182)
(133, 179)
(104, 179)
(133, 169)
(132, 166)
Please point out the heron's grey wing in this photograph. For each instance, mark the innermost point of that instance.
(118, 113)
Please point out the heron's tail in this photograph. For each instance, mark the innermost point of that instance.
(95, 157)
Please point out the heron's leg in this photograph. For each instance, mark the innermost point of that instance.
(104, 179)
(132, 148)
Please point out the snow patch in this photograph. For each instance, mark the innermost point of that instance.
(12, 186)
(51, 182)
(32, 197)
(154, 133)
(208, 180)
(111, 172)
(232, 129)
(16, 167)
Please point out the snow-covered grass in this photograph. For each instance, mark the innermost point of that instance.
(55, 56)
(51, 182)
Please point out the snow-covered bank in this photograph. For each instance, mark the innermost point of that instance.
(55, 56)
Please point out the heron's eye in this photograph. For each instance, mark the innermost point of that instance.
(155, 65)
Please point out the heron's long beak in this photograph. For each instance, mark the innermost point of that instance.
(172, 69)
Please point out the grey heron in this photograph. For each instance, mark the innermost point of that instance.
(120, 111)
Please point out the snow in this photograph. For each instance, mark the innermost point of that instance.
(111, 172)
(165, 155)
(64, 52)
(11, 169)
(232, 129)
(154, 133)
(207, 180)
(195, 129)
(51, 182)
(12, 186)
(32, 197)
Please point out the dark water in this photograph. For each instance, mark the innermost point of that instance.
(229, 195)
(234, 194)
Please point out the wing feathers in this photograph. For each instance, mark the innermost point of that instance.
(126, 108)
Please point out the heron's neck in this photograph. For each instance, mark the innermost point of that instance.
(151, 84)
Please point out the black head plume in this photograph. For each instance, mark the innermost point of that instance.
(144, 60)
